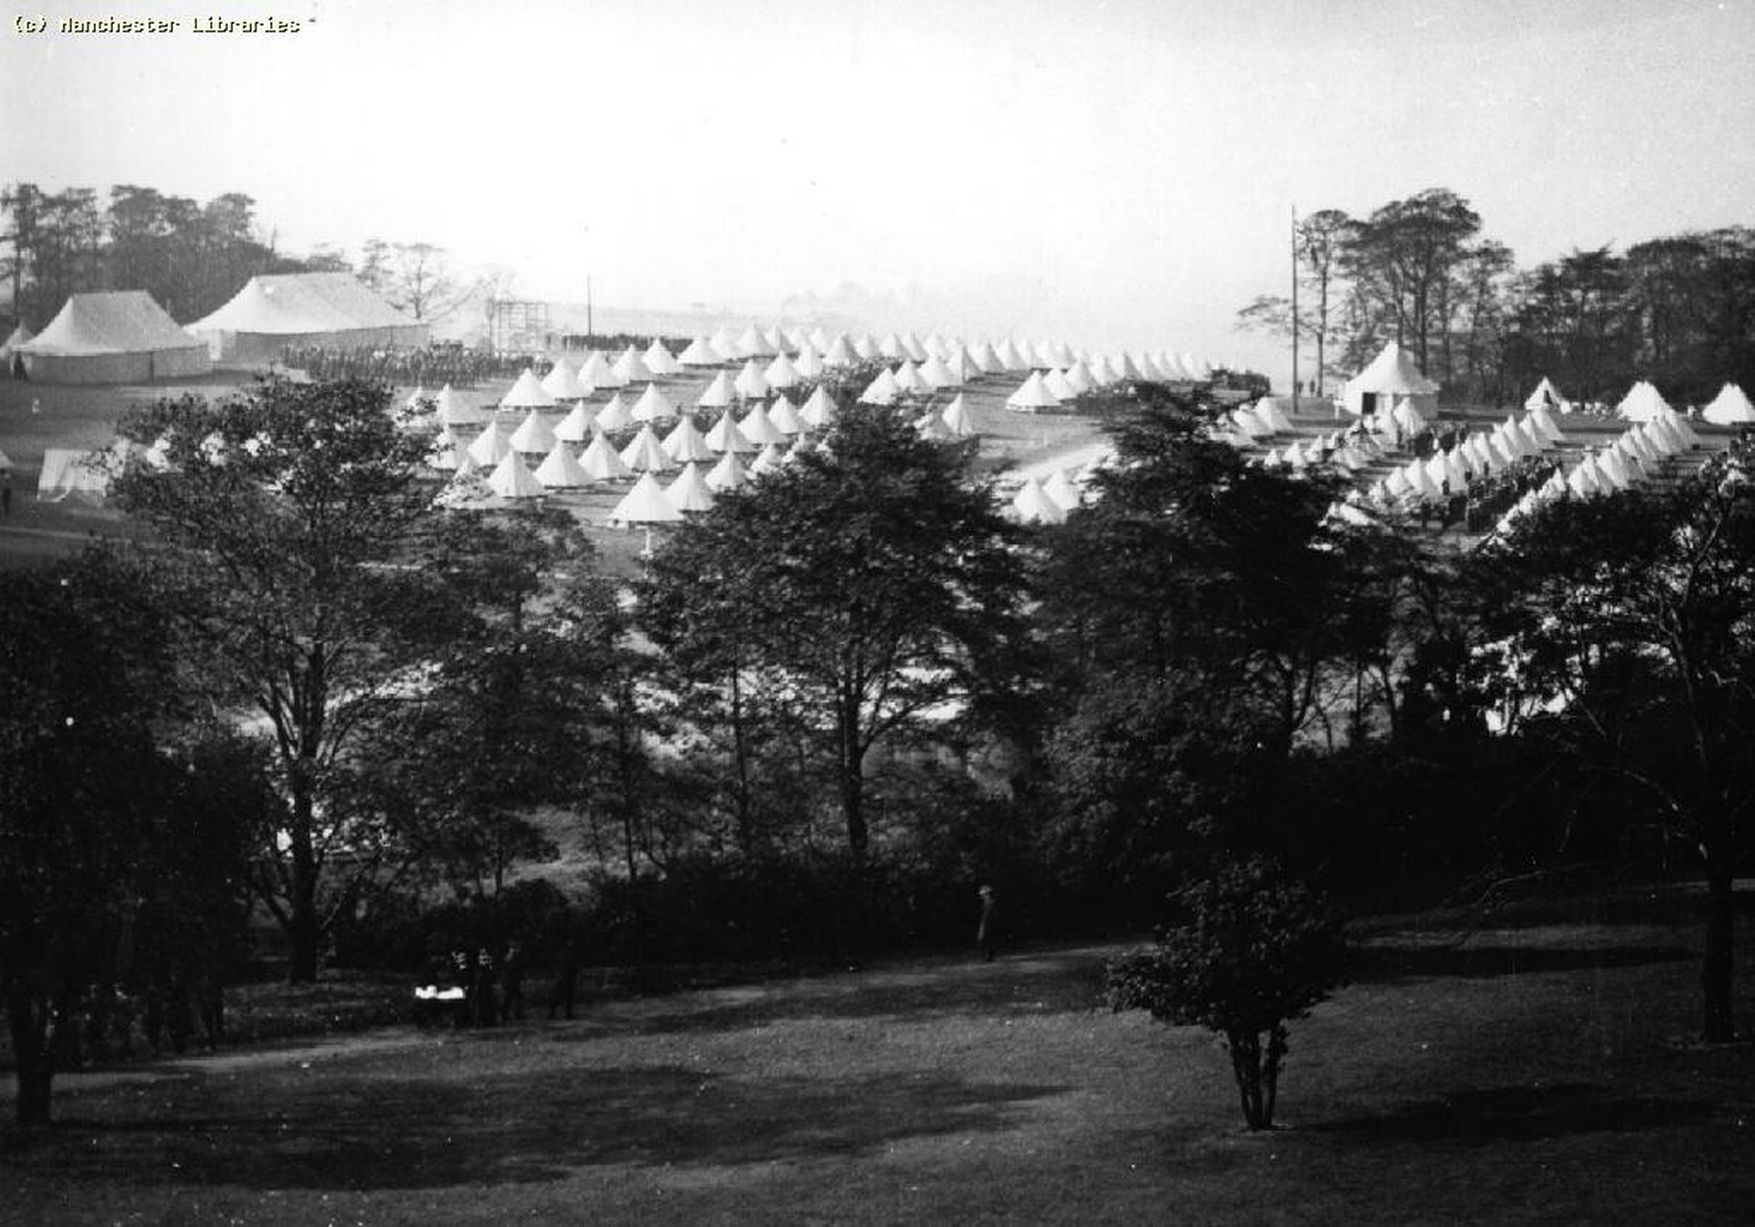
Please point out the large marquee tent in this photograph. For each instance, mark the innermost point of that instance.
(121, 336)
(333, 310)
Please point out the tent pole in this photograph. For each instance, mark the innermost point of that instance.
(1294, 309)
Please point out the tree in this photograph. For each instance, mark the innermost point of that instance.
(1257, 949)
(1401, 260)
(94, 805)
(288, 520)
(417, 278)
(856, 592)
(1618, 634)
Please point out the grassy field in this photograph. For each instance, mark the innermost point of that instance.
(1533, 1073)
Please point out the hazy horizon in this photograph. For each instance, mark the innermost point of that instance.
(1116, 174)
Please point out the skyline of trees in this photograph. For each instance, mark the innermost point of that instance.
(1676, 309)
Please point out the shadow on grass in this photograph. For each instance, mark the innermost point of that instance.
(333, 1132)
(1400, 962)
(1523, 1113)
(1025, 984)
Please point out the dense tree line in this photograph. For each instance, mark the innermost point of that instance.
(190, 256)
(1678, 309)
(835, 703)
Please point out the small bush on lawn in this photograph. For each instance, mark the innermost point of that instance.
(1254, 950)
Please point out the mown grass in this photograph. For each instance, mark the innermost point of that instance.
(1537, 1072)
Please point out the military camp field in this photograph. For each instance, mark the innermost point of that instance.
(1521, 1068)
(1029, 444)
(84, 417)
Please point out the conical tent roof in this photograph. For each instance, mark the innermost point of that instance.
(602, 462)
(1007, 357)
(456, 409)
(490, 446)
(1642, 403)
(645, 504)
(819, 410)
(890, 347)
(690, 492)
(983, 358)
(1032, 395)
(1032, 506)
(839, 352)
(780, 373)
(645, 454)
(561, 470)
(931, 426)
(864, 347)
(653, 406)
(614, 415)
(699, 352)
(686, 443)
(630, 367)
(723, 343)
(717, 394)
(1546, 396)
(1271, 410)
(562, 384)
(576, 426)
(753, 344)
(1392, 372)
(727, 436)
(729, 473)
(510, 479)
(1730, 407)
(881, 390)
(770, 460)
(527, 393)
(600, 373)
(1079, 378)
(808, 364)
(1055, 382)
(750, 382)
(908, 378)
(957, 419)
(534, 435)
(659, 360)
(784, 415)
(758, 429)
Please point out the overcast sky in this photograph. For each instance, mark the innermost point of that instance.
(1115, 173)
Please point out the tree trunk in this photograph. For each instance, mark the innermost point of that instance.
(303, 929)
(852, 779)
(1246, 1068)
(1716, 967)
(33, 1061)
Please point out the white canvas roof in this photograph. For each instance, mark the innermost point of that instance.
(1032, 395)
(1642, 403)
(1730, 407)
(601, 461)
(653, 406)
(686, 443)
(659, 360)
(614, 415)
(118, 322)
(645, 504)
(560, 469)
(1032, 506)
(490, 446)
(690, 492)
(576, 426)
(784, 415)
(699, 352)
(645, 454)
(726, 436)
(750, 382)
(527, 393)
(956, 418)
(758, 429)
(729, 473)
(510, 479)
(534, 435)
(293, 304)
(631, 367)
(819, 409)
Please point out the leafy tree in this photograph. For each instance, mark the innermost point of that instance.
(858, 591)
(88, 813)
(515, 703)
(1402, 259)
(1618, 634)
(288, 520)
(1255, 950)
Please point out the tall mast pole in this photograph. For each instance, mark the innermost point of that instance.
(1294, 309)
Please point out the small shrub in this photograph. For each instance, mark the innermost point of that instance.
(1255, 950)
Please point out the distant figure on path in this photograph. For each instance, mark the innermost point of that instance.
(512, 983)
(987, 934)
(566, 985)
